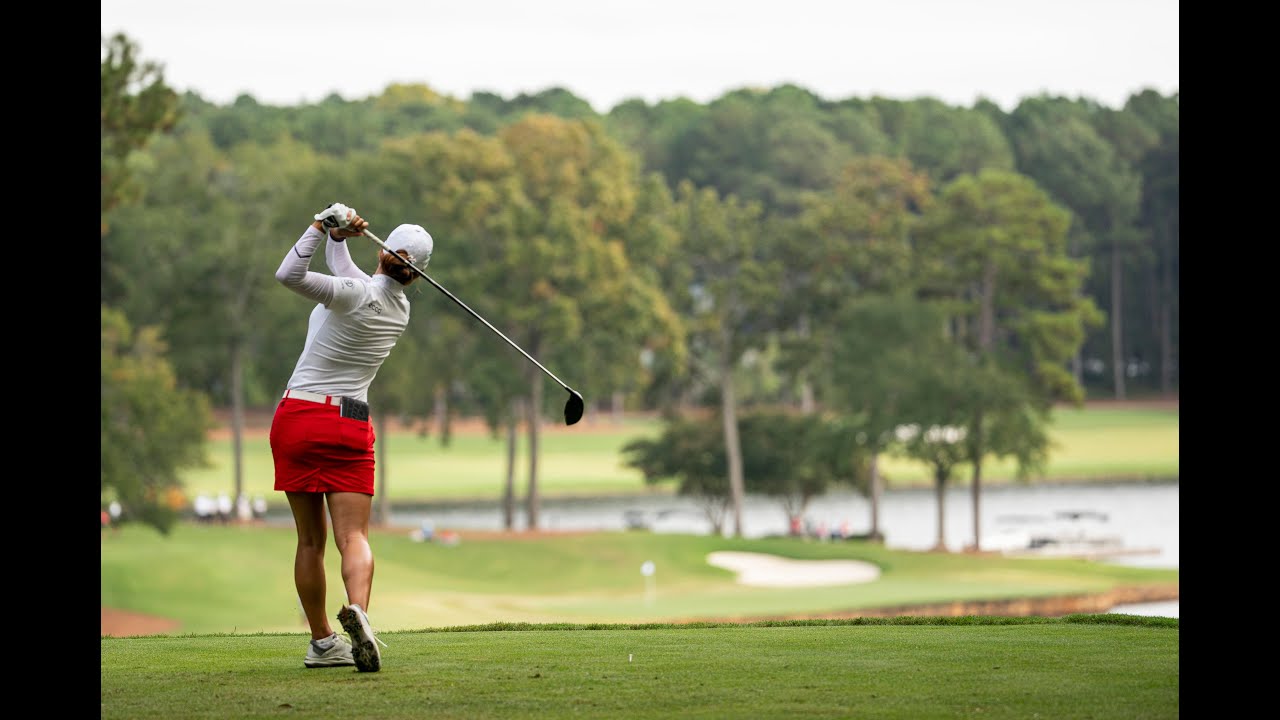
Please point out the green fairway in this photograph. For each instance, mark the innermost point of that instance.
(1093, 443)
(240, 579)
(1097, 667)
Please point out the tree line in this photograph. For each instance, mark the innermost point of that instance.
(888, 263)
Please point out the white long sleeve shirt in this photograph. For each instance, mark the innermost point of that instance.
(351, 331)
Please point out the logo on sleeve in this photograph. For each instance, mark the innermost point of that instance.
(348, 283)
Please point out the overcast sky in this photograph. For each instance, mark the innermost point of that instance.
(286, 52)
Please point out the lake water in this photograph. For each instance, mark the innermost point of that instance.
(1142, 516)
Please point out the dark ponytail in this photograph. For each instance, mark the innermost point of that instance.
(396, 270)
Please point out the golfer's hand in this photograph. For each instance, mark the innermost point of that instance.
(355, 226)
(336, 215)
(341, 221)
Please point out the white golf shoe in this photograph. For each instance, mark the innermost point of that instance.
(333, 651)
(364, 644)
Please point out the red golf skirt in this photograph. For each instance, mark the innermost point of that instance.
(317, 450)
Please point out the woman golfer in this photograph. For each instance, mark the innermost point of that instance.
(321, 436)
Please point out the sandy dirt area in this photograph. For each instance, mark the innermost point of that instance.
(122, 623)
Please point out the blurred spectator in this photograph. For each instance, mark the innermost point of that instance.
(244, 512)
(224, 507)
(115, 510)
(423, 534)
(260, 507)
(205, 508)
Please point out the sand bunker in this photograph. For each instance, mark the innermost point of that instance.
(761, 570)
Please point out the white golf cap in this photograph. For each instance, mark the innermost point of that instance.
(414, 240)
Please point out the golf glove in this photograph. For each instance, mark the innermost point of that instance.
(336, 215)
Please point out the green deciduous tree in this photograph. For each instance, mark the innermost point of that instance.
(881, 343)
(846, 243)
(690, 451)
(151, 427)
(136, 104)
(795, 458)
(942, 140)
(556, 101)
(653, 131)
(770, 147)
(994, 249)
(1057, 144)
(651, 243)
(564, 267)
(729, 302)
(787, 456)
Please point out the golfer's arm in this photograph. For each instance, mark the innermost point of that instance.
(339, 260)
(293, 272)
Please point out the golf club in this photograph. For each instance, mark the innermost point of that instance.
(572, 409)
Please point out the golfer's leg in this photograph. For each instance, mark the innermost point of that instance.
(350, 514)
(308, 561)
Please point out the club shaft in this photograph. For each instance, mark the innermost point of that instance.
(463, 305)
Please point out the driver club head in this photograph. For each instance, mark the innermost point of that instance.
(573, 408)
